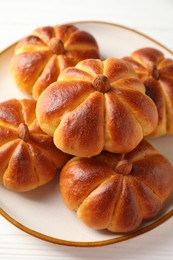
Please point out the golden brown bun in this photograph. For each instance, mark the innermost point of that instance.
(96, 105)
(117, 191)
(156, 72)
(41, 56)
(28, 157)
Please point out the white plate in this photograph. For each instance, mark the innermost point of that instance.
(41, 212)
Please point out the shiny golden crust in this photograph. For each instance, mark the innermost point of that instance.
(156, 72)
(96, 105)
(41, 56)
(117, 191)
(28, 157)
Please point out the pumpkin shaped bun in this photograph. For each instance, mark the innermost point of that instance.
(117, 191)
(28, 157)
(96, 105)
(156, 71)
(39, 57)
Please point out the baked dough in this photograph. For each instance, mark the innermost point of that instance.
(97, 105)
(117, 191)
(40, 57)
(28, 156)
(156, 71)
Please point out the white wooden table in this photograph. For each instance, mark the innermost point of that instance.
(19, 18)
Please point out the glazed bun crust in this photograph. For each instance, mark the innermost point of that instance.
(28, 156)
(156, 71)
(40, 57)
(97, 105)
(114, 191)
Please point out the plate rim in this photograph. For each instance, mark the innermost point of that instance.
(123, 237)
(63, 242)
(106, 23)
